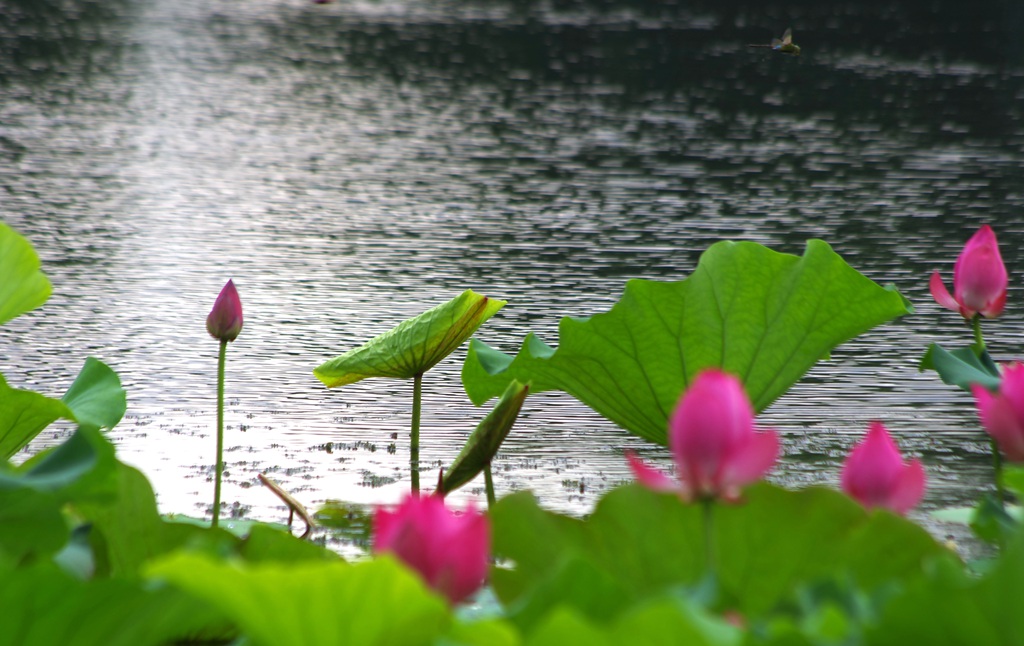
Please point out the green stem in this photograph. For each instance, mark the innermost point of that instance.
(414, 433)
(219, 466)
(489, 485)
(997, 465)
(997, 458)
(979, 341)
(707, 504)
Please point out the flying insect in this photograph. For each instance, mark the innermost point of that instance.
(785, 45)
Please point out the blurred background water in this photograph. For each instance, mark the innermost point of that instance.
(352, 164)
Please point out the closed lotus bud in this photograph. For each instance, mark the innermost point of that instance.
(225, 319)
(716, 446)
(450, 551)
(875, 474)
(979, 279)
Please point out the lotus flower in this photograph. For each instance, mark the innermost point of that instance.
(225, 319)
(450, 551)
(1002, 415)
(979, 279)
(713, 440)
(876, 475)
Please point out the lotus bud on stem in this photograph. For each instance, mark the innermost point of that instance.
(224, 323)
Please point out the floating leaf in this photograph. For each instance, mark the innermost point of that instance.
(764, 316)
(414, 345)
(23, 287)
(484, 442)
(961, 367)
(374, 602)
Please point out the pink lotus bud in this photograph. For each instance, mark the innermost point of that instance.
(713, 440)
(225, 319)
(875, 474)
(450, 551)
(1002, 415)
(979, 278)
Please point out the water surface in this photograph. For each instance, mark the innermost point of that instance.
(350, 165)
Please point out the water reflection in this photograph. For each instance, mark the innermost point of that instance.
(351, 165)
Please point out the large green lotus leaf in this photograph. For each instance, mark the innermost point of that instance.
(32, 496)
(665, 621)
(23, 287)
(765, 547)
(484, 442)
(764, 316)
(374, 602)
(43, 606)
(23, 414)
(96, 397)
(414, 345)
(945, 606)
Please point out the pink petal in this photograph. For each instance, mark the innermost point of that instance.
(909, 488)
(753, 460)
(224, 321)
(941, 294)
(1001, 421)
(650, 477)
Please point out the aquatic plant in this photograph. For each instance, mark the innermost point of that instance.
(408, 351)
(979, 279)
(86, 558)
(450, 551)
(764, 316)
(713, 441)
(224, 323)
(876, 475)
(1002, 414)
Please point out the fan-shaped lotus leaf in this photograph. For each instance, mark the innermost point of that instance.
(764, 316)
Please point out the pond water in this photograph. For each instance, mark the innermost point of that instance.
(350, 165)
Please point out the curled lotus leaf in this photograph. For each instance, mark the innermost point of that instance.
(413, 346)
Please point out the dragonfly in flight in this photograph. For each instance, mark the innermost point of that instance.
(784, 45)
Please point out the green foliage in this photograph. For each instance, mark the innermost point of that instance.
(415, 345)
(764, 316)
(961, 367)
(44, 606)
(638, 543)
(375, 602)
(484, 442)
(23, 287)
(95, 399)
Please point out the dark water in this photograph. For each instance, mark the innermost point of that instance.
(350, 165)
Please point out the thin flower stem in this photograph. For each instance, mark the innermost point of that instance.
(414, 433)
(489, 485)
(707, 504)
(997, 458)
(979, 340)
(997, 465)
(219, 465)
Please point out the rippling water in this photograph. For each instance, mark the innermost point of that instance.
(350, 165)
